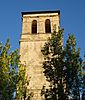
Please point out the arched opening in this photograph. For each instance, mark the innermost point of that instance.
(47, 26)
(34, 26)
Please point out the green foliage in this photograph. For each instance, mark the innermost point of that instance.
(10, 76)
(54, 65)
(83, 78)
(22, 84)
(73, 68)
(62, 67)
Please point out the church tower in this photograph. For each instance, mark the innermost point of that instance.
(36, 28)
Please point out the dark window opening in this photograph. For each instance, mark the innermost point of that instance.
(34, 26)
(47, 26)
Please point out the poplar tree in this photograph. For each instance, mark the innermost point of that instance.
(62, 68)
(83, 74)
(8, 74)
(53, 67)
(12, 74)
(72, 68)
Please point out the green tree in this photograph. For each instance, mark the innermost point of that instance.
(83, 74)
(22, 84)
(54, 66)
(62, 68)
(73, 68)
(10, 76)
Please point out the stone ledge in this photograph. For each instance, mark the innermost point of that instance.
(34, 37)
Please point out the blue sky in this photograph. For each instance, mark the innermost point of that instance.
(72, 18)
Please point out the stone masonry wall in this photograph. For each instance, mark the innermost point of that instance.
(30, 49)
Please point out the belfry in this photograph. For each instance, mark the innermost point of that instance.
(36, 28)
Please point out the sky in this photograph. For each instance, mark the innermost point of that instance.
(72, 18)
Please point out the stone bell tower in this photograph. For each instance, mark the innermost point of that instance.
(36, 28)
